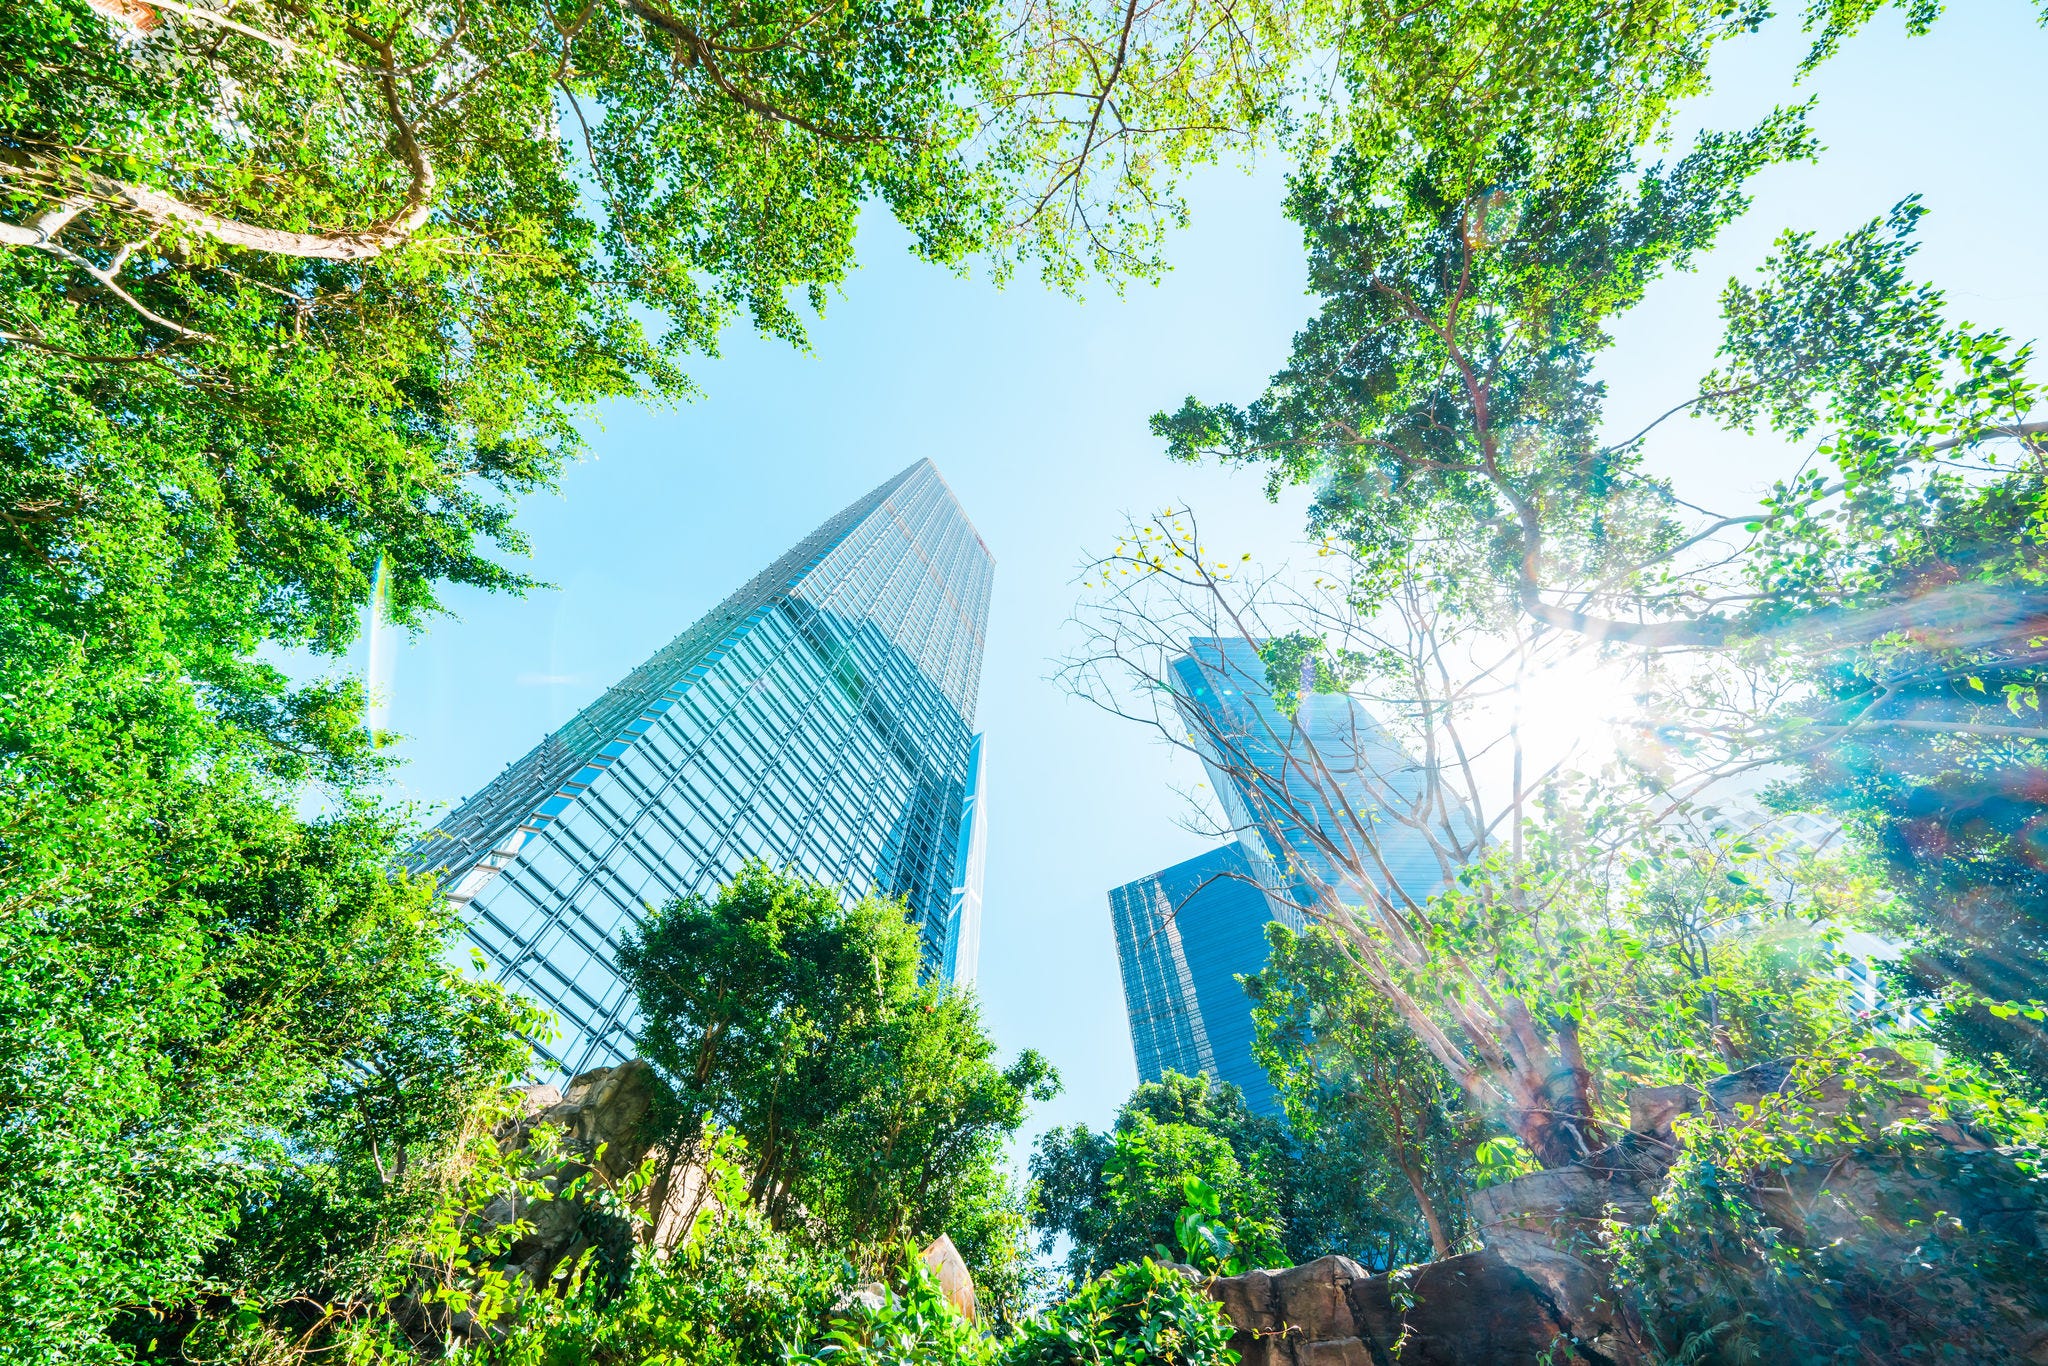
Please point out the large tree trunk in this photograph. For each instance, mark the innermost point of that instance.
(82, 187)
(1552, 1113)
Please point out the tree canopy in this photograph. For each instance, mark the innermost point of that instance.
(295, 301)
(1859, 634)
(870, 1104)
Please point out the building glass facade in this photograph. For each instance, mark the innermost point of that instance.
(819, 718)
(1185, 935)
(1278, 778)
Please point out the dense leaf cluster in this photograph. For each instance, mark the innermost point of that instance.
(871, 1105)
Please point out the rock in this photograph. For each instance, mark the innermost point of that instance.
(1534, 1294)
(605, 1107)
(1651, 1109)
(603, 1124)
(944, 1261)
(1735, 1096)
(1474, 1310)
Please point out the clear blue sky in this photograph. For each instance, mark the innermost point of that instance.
(1034, 407)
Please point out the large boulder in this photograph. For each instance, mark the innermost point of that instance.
(956, 1282)
(1462, 1311)
(604, 1128)
(1539, 1292)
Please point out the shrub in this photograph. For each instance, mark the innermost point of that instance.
(1817, 1229)
(1141, 1312)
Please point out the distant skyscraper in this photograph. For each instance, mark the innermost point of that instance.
(1185, 935)
(821, 718)
(1332, 745)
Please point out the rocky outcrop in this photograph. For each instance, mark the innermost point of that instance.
(1462, 1311)
(947, 1266)
(603, 1123)
(956, 1283)
(1535, 1295)
(603, 1127)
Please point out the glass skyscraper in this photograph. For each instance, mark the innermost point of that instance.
(1183, 936)
(1290, 786)
(820, 718)
(1186, 934)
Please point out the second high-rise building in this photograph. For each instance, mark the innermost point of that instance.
(1186, 934)
(820, 718)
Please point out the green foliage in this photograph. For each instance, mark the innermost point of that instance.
(340, 277)
(1120, 1196)
(1868, 626)
(1496, 1161)
(1724, 955)
(1210, 1242)
(1835, 1221)
(368, 1160)
(1300, 664)
(913, 1326)
(1378, 1123)
(735, 1293)
(1902, 591)
(1548, 241)
(1216, 1210)
(871, 1105)
(295, 301)
(215, 1012)
(1139, 1312)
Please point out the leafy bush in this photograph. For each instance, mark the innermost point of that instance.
(738, 1294)
(1143, 1312)
(1117, 1196)
(1834, 1221)
(913, 1326)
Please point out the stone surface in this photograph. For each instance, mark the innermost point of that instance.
(1463, 1311)
(1736, 1094)
(602, 1119)
(1532, 1295)
(944, 1261)
(1651, 1109)
(605, 1107)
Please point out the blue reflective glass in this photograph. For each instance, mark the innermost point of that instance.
(835, 690)
(1186, 934)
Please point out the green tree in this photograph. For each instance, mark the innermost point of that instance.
(1471, 243)
(1382, 1133)
(209, 1004)
(293, 297)
(293, 301)
(1864, 625)
(1545, 938)
(870, 1104)
(1117, 1196)
(737, 1292)
(1902, 589)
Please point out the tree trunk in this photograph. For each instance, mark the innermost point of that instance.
(1439, 1245)
(1553, 1115)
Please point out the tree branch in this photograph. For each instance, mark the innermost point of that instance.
(164, 209)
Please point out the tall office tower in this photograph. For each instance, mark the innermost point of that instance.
(1185, 935)
(821, 718)
(1277, 778)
